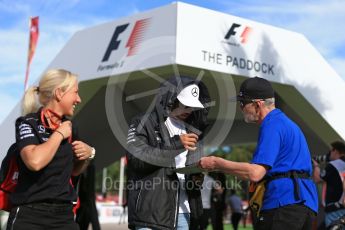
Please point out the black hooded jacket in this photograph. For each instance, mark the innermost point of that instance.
(153, 186)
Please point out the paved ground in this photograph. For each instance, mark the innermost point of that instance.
(113, 227)
(124, 227)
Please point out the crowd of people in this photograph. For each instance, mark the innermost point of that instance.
(170, 137)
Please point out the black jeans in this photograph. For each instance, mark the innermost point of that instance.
(86, 214)
(42, 217)
(235, 219)
(204, 220)
(290, 217)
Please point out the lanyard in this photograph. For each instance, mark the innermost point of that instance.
(48, 114)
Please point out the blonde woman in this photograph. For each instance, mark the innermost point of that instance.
(49, 155)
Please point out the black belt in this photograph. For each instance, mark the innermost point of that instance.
(49, 206)
(292, 175)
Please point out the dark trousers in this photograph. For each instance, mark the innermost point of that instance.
(42, 217)
(204, 220)
(235, 219)
(86, 214)
(217, 218)
(290, 217)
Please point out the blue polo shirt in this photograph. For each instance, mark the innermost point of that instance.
(282, 147)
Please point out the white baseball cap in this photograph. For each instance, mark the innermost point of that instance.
(189, 96)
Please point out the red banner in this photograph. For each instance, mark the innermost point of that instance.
(34, 32)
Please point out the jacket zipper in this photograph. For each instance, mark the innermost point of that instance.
(177, 205)
(137, 203)
(15, 218)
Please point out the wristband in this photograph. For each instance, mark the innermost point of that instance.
(63, 137)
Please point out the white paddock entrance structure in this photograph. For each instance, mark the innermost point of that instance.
(121, 64)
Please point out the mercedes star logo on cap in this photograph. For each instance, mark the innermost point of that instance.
(195, 92)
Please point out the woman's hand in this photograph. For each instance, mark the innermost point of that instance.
(82, 151)
(65, 129)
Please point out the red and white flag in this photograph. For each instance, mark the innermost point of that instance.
(34, 32)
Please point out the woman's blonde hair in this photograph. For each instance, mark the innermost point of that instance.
(38, 96)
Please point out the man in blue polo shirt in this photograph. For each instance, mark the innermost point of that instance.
(281, 158)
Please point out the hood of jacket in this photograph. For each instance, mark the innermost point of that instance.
(167, 96)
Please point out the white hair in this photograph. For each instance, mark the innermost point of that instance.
(269, 101)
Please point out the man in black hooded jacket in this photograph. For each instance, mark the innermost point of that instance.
(158, 142)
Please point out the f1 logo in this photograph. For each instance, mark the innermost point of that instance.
(232, 32)
(134, 39)
(114, 42)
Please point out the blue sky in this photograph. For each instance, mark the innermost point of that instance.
(320, 21)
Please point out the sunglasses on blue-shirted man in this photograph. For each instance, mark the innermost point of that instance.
(244, 102)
